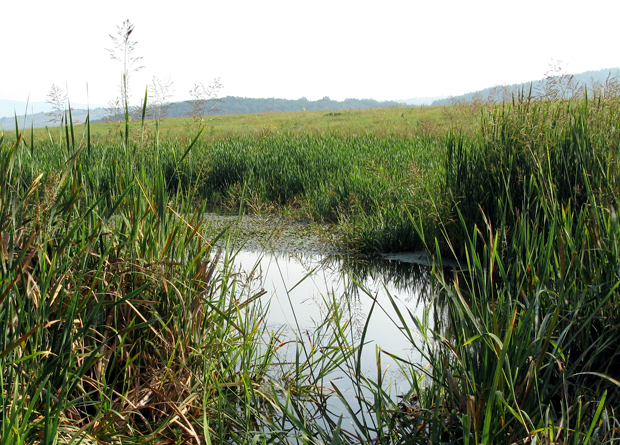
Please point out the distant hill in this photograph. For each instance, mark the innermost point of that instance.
(8, 108)
(39, 120)
(226, 105)
(586, 79)
(244, 105)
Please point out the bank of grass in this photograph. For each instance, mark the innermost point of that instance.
(121, 326)
(368, 171)
(529, 349)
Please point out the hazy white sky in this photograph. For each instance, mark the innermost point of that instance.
(381, 49)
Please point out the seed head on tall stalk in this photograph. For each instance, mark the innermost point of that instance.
(558, 85)
(122, 51)
(57, 98)
(160, 93)
(204, 100)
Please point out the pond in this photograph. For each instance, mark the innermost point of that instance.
(302, 275)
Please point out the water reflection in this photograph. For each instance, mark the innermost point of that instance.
(315, 293)
(409, 279)
(301, 289)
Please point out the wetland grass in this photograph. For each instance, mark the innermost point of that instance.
(528, 349)
(121, 324)
(399, 121)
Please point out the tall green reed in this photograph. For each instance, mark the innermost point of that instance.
(120, 321)
(566, 142)
(526, 347)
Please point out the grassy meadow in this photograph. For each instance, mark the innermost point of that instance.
(122, 323)
(404, 121)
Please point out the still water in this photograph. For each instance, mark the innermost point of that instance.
(301, 283)
(300, 288)
(302, 275)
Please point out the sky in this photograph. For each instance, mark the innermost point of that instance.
(384, 50)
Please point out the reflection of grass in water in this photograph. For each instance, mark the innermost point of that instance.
(410, 279)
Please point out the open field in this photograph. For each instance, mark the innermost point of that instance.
(403, 121)
(122, 323)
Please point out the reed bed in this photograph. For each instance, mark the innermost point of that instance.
(528, 345)
(369, 185)
(122, 323)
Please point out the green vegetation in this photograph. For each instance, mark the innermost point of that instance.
(122, 323)
(530, 347)
(366, 170)
(408, 121)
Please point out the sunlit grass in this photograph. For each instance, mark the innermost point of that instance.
(122, 323)
(403, 121)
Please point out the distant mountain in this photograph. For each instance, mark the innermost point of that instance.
(244, 105)
(588, 79)
(8, 108)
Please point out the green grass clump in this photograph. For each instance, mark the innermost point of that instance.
(565, 146)
(526, 343)
(369, 185)
(352, 180)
